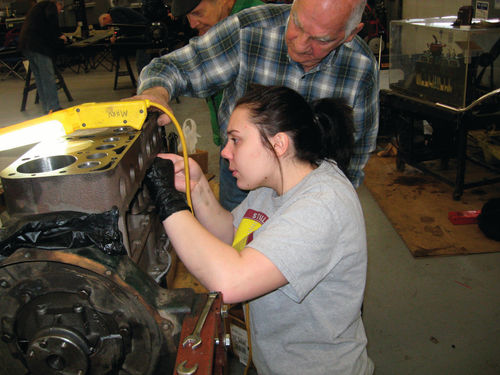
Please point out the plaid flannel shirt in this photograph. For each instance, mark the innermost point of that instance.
(249, 47)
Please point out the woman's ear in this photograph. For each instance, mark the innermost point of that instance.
(280, 143)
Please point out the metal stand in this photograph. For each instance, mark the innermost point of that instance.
(28, 86)
(454, 123)
(117, 57)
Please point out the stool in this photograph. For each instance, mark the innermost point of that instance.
(117, 57)
(28, 86)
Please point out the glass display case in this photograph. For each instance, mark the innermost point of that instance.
(433, 60)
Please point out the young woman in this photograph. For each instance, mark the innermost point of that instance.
(295, 248)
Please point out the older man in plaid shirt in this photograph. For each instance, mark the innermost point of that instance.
(310, 46)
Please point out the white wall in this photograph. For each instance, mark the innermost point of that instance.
(432, 8)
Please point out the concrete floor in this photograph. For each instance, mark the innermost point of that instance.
(422, 316)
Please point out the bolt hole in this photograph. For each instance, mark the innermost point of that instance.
(55, 362)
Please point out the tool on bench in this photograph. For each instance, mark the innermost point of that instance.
(195, 337)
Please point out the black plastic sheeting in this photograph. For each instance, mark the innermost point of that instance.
(64, 230)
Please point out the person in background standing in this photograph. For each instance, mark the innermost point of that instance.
(202, 15)
(40, 41)
(136, 32)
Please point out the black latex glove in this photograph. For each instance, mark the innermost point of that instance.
(159, 180)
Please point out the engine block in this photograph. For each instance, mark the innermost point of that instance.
(80, 311)
(92, 171)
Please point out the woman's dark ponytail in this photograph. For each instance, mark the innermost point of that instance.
(334, 118)
(322, 130)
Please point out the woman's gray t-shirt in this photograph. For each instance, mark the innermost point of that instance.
(315, 235)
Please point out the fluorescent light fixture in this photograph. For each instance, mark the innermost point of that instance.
(31, 134)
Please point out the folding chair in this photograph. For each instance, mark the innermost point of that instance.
(12, 61)
(10, 57)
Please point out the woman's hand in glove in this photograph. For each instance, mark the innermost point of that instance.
(206, 207)
(195, 172)
(160, 182)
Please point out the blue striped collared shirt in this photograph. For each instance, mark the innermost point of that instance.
(249, 47)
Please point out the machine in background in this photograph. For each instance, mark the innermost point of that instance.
(444, 81)
(434, 60)
(374, 32)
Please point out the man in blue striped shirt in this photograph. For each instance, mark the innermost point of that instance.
(310, 46)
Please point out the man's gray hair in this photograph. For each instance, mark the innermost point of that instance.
(356, 16)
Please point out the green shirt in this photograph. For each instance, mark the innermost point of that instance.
(214, 101)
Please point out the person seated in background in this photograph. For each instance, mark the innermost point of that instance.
(124, 16)
(136, 31)
(40, 40)
(295, 247)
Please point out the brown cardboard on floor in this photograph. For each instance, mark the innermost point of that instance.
(417, 205)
